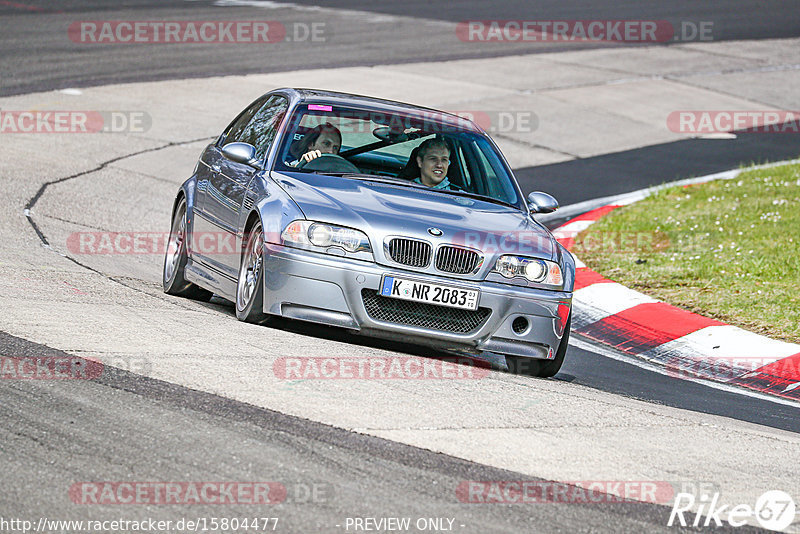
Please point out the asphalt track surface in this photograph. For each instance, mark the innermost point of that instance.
(622, 172)
(38, 55)
(110, 425)
(160, 430)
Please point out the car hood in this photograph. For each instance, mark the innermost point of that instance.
(381, 210)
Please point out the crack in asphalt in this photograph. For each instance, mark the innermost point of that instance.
(33, 200)
(74, 223)
(43, 188)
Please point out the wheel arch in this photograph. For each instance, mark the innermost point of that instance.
(180, 196)
(252, 218)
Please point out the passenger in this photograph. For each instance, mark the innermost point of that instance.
(433, 159)
(323, 139)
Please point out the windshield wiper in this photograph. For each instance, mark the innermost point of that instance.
(361, 176)
(347, 174)
(374, 178)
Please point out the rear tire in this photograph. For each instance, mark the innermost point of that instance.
(541, 368)
(250, 284)
(175, 261)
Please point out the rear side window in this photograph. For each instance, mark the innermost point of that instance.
(258, 125)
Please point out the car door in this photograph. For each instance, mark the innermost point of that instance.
(207, 227)
(229, 180)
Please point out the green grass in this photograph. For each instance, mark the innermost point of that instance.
(728, 249)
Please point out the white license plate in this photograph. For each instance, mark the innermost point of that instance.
(442, 295)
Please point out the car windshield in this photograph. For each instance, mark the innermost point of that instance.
(358, 143)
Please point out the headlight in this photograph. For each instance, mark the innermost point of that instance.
(508, 266)
(532, 269)
(308, 234)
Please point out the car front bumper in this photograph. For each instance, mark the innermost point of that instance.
(330, 289)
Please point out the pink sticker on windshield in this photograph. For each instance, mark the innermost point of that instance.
(317, 107)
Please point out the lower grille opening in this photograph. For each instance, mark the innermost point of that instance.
(423, 315)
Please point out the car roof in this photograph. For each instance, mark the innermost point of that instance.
(339, 98)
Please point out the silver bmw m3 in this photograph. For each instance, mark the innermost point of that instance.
(380, 217)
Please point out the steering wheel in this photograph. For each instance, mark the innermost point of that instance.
(329, 163)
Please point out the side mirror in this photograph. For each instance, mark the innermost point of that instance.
(242, 153)
(539, 202)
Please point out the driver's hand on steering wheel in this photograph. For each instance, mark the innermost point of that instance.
(311, 154)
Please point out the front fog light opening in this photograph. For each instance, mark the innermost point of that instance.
(520, 325)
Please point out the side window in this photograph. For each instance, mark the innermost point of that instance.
(491, 167)
(473, 166)
(492, 183)
(259, 124)
(235, 130)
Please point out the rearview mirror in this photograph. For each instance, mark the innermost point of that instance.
(539, 202)
(242, 153)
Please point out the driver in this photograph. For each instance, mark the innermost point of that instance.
(323, 139)
(433, 159)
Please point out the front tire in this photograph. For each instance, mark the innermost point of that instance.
(175, 260)
(541, 368)
(250, 285)
(551, 367)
